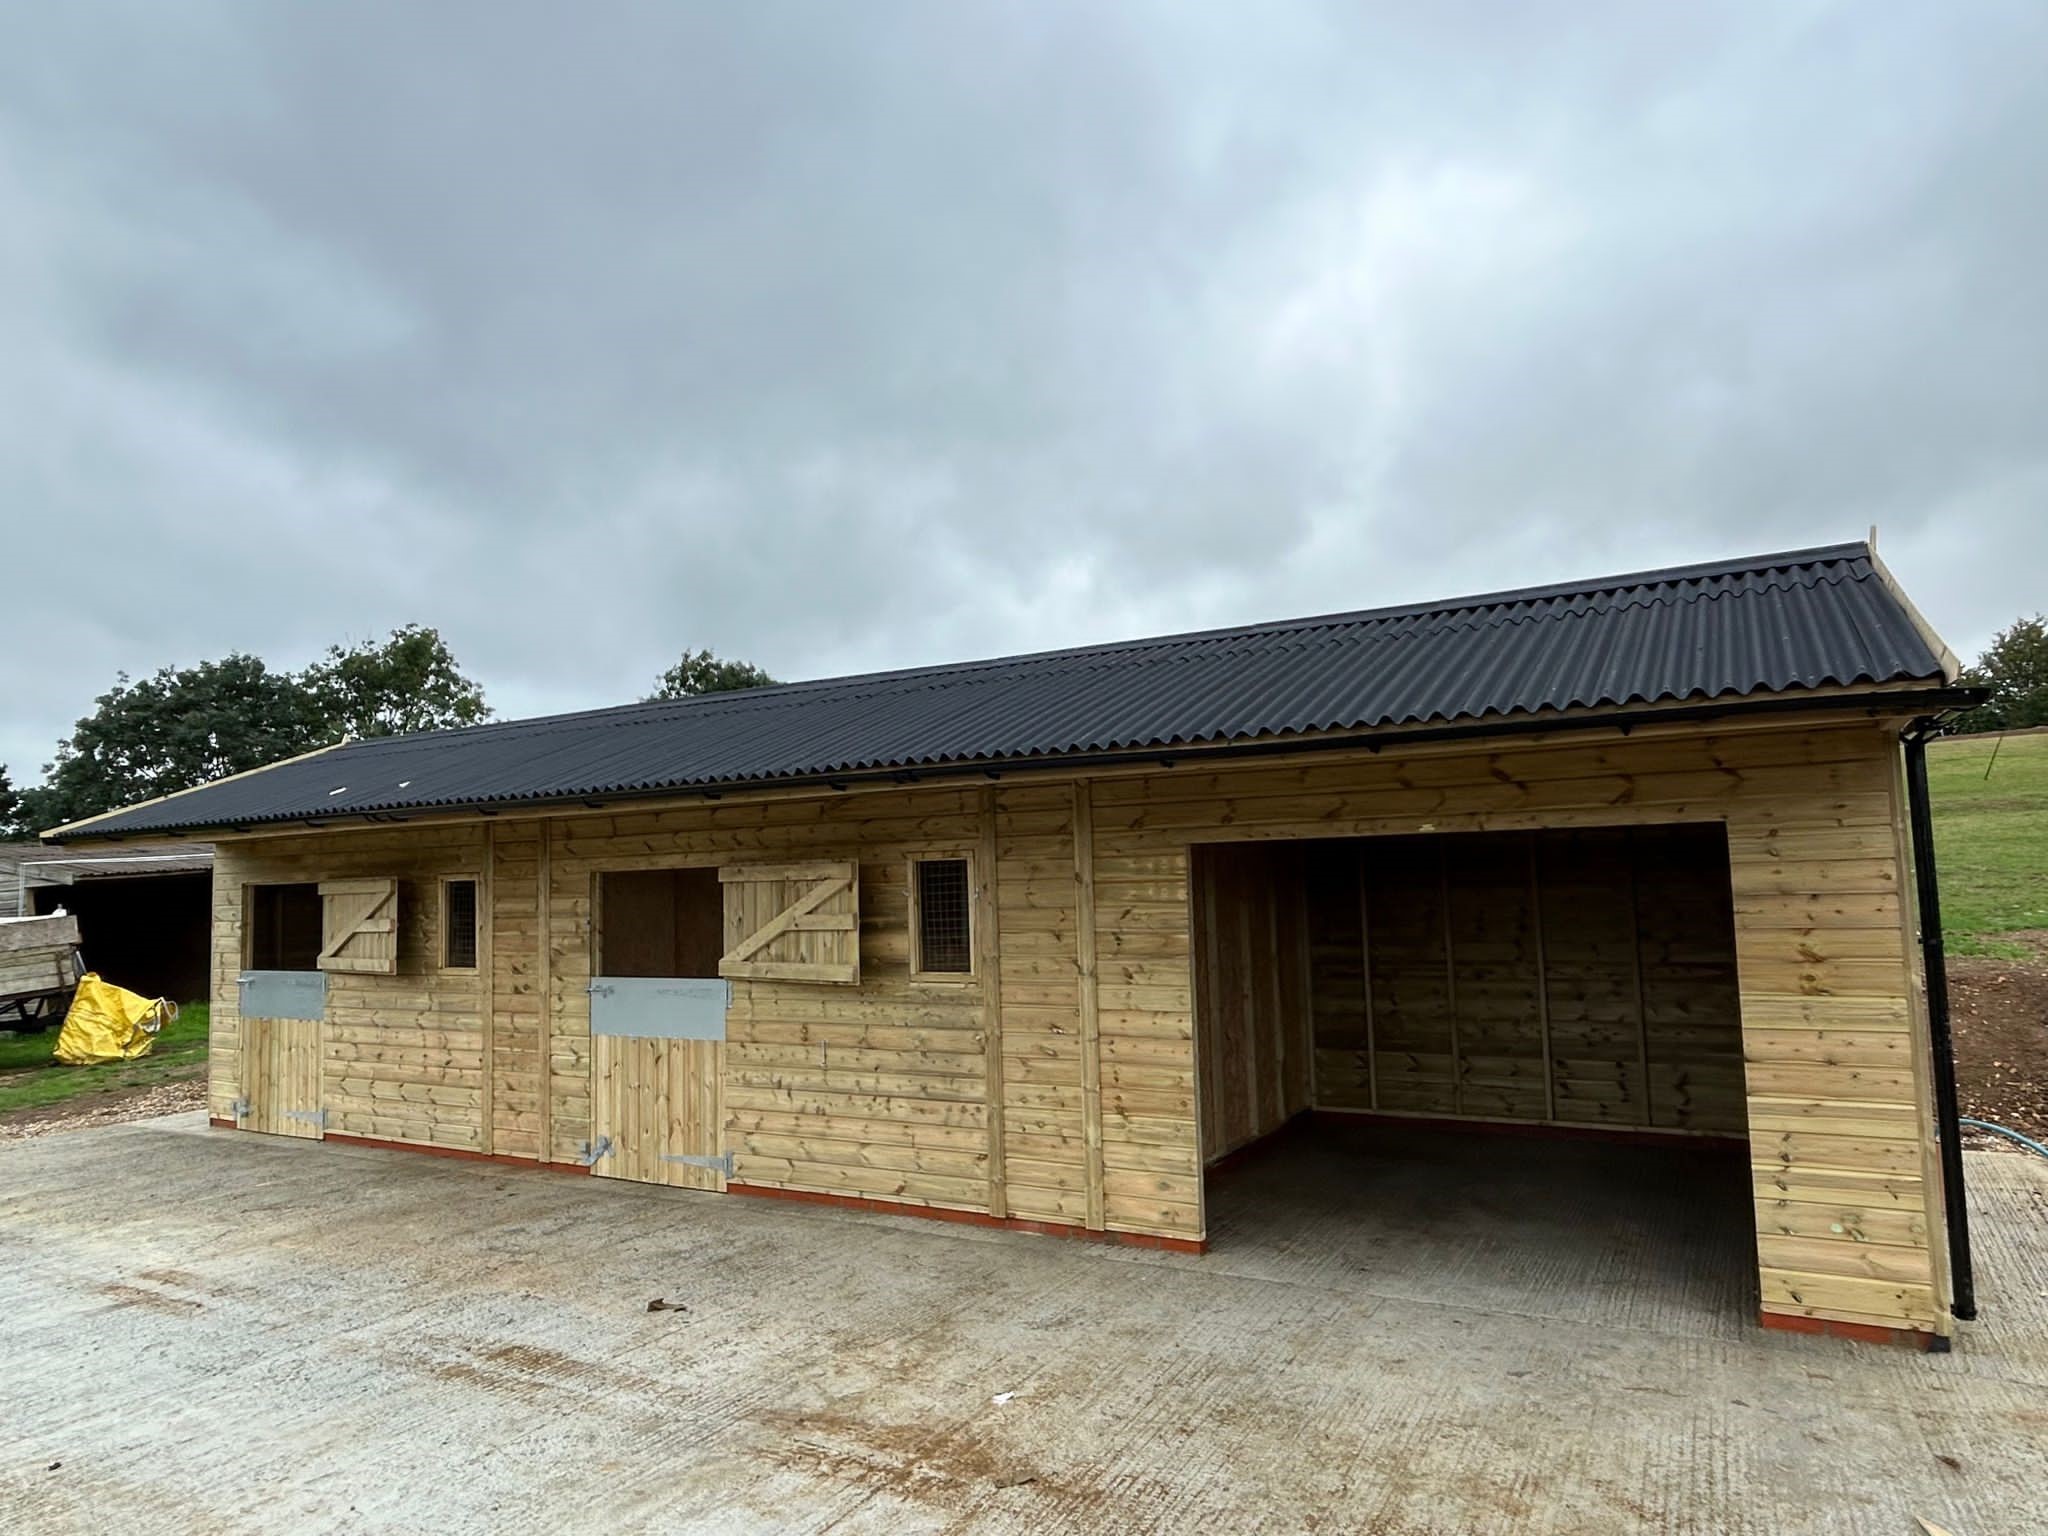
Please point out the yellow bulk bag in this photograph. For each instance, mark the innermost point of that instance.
(109, 1023)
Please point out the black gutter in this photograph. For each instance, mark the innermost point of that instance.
(1917, 701)
(1940, 1038)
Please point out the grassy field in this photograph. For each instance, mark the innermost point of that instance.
(1990, 839)
(29, 1078)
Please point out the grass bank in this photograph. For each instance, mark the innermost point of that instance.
(1990, 803)
(31, 1079)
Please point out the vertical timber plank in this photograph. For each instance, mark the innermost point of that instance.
(1372, 1049)
(486, 981)
(1542, 981)
(545, 912)
(1443, 881)
(987, 922)
(1090, 1021)
(1635, 910)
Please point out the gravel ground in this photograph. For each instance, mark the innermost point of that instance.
(104, 1109)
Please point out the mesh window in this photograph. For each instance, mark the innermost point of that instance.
(458, 941)
(943, 939)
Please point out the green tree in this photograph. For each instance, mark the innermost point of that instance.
(179, 727)
(2015, 668)
(183, 726)
(407, 683)
(702, 672)
(10, 802)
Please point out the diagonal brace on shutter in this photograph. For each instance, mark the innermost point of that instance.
(803, 917)
(777, 927)
(359, 925)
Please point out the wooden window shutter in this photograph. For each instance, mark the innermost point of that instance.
(359, 926)
(791, 922)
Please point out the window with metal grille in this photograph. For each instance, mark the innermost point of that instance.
(458, 925)
(941, 926)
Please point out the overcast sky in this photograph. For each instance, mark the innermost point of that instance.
(846, 336)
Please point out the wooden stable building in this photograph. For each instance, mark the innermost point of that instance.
(1037, 941)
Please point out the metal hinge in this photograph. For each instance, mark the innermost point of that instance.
(600, 989)
(722, 1162)
(240, 1109)
(310, 1116)
(589, 1154)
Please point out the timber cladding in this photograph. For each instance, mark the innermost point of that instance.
(401, 1049)
(1060, 1080)
(1569, 977)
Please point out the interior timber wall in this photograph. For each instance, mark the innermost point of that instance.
(1254, 988)
(1574, 977)
(1060, 1082)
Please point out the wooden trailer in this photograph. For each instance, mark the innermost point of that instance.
(1036, 942)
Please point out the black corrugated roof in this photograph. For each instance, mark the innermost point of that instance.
(1771, 625)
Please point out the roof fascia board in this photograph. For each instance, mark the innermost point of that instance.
(1951, 667)
(1865, 705)
(55, 835)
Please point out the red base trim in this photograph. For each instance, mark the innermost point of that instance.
(1626, 1135)
(1863, 1333)
(806, 1196)
(970, 1218)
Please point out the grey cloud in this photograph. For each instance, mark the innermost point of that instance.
(842, 337)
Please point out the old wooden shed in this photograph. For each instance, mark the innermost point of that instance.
(1038, 940)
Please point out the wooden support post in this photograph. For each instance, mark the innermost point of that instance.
(1269, 888)
(544, 906)
(1443, 884)
(1090, 1021)
(487, 979)
(1542, 978)
(1207, 1026)
(989, 961)
(1246, 1054)
(1372, 1048)
(1305, 947)
(1635, 919)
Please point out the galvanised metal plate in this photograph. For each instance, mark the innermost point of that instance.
(659, 1007)
(284, 994)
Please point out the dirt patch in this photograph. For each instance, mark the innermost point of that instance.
(104, 1109)
(1999, 1010)
(154, 1301)
(942, 1465)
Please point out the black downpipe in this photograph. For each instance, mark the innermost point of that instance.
(1962, 1276)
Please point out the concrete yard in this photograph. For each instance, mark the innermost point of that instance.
(202, 1330)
